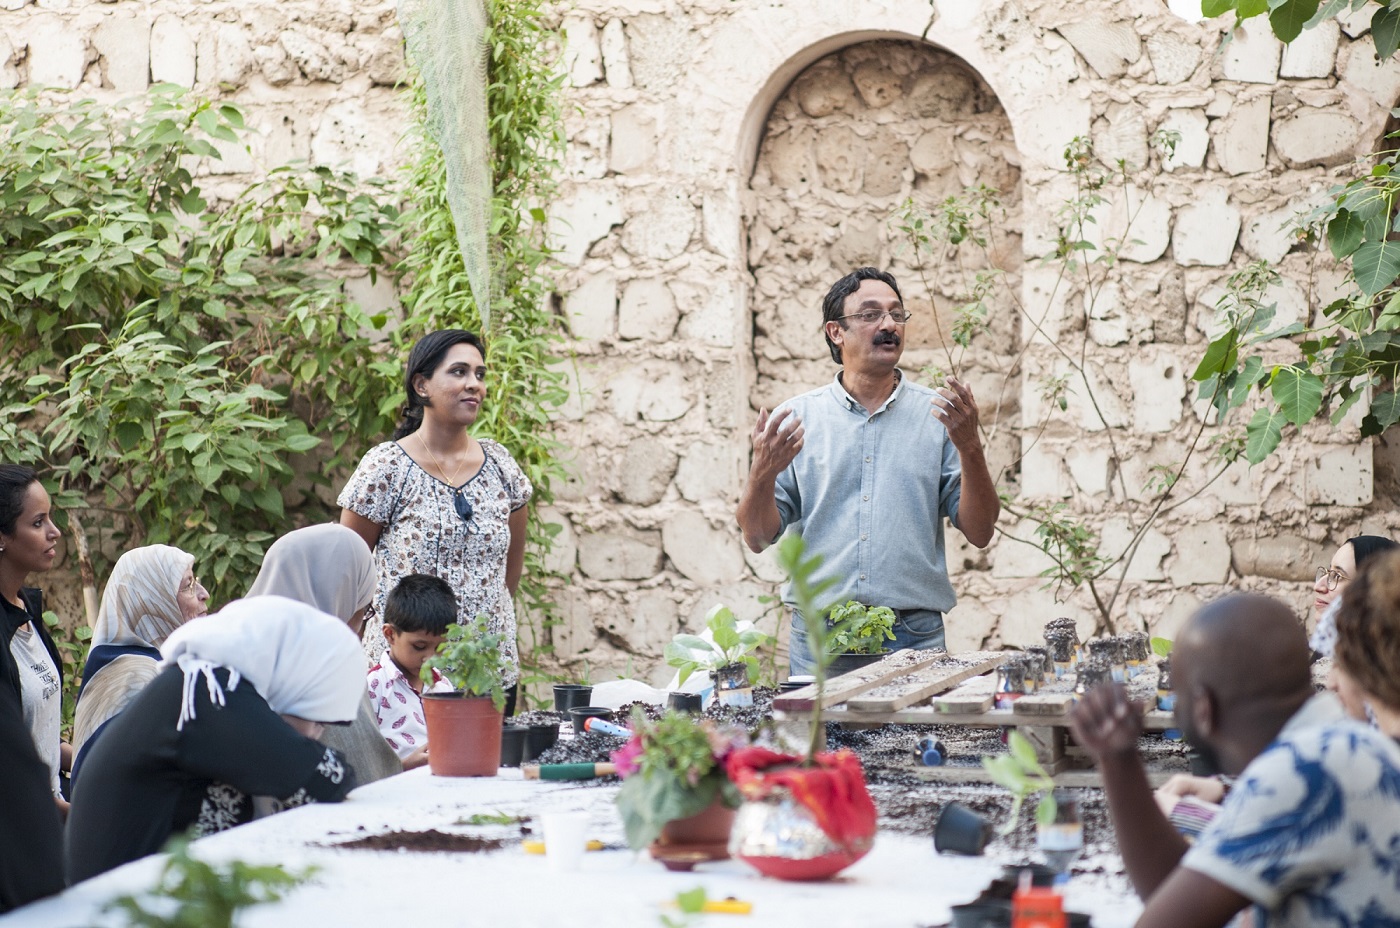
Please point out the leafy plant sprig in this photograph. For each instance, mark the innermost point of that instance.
(205, 895)
(809, 595)
(1021, 773)
(471, 660)
(690, 653)
(860, 629)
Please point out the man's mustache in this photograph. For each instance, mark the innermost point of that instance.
(887, 338)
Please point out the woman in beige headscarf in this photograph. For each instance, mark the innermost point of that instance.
(152, 592)
(329, 567)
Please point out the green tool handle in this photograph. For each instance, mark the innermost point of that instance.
(576, 771)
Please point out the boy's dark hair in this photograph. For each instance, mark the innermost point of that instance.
(421, 603)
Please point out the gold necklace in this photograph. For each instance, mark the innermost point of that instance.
(452, 482)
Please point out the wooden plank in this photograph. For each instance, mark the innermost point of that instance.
(991, 718)
(974, 696)
(928, 681)
(1069, 777)
(1054, 704)
(839, 689)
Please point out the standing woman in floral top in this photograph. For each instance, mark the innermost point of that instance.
(437, 501)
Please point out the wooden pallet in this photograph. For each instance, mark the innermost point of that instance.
(934, 688)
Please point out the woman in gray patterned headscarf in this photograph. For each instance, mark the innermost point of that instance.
(329, 567)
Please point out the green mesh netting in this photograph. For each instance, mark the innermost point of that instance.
(446, 42)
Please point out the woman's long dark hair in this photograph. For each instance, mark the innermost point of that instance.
(1364, 547)
(425, 358)
(14, 483)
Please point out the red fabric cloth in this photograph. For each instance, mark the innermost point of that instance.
(833, 791)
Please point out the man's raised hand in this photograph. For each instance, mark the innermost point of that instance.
(777, 437)
(956, 408)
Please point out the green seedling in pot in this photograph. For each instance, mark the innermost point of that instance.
(471, 660)
(860, 629)
(689, 653)
(1021, 774)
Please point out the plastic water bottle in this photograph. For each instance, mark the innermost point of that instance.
(931, 752)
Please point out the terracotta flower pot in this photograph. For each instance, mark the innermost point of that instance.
(698, 838)
(464, 735)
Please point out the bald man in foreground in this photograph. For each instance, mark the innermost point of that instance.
(1310, 833)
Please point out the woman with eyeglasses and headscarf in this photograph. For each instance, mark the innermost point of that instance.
(328, 568)
(436, 500)
(234, 713)
(152, 591)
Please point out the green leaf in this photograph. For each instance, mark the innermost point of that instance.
(1045, 810)
(1345, 233)
(1385, 31)
(1263, 434)
(1298, 394)
(1162, 647)
(1244, 9)
(1220, 355)
(1213, 8)
(692, 901)
(1376, 264)
(1289, 18)
(1386, 408)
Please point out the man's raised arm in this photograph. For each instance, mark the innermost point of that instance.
(775, 445)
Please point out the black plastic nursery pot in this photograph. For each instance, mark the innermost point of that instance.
(569, 695)
(960, 830)
(684, 702)
(539, 739)
(580, 713)
(845, 663)
(513, 744)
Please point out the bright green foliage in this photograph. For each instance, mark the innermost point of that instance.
(524, 385)
(471, 660)
(690, 653)
(1162, 647)
(1288, 18)
(205, 895)
(809, 596)
(1019, 771)
(858, 629)
(678, 775)
(172, 356)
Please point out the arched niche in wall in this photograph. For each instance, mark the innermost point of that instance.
(857, 131)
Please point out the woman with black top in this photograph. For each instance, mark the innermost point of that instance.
(233, 713)
(437, 501)
(29, 661)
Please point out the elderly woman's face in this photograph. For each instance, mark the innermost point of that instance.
(1337, 575)
(192, 596)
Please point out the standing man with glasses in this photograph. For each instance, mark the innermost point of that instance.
(867, 467)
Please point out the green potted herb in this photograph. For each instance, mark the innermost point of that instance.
(729, 658)
(675, 795)
(464, 726)
(857, 634)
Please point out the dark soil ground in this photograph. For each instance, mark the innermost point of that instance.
(431, 840)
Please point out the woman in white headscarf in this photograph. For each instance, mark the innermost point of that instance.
(152, 592)
(329, 567)
(232, 714)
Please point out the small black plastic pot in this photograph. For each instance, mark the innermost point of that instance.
(579, 713)
(538, 739)
(569, 695)
(684, 702)
(513, 744)
(1041, 875)
(992, 913)
(960, 830)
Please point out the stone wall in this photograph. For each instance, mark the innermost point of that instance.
(693, 247)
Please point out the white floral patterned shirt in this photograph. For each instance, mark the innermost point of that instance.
(423, 534)
(397, 708)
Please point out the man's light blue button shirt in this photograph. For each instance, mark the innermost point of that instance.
(868, 492)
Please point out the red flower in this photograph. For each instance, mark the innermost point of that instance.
(627, 757)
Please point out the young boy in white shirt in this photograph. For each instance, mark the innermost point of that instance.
(416, 616)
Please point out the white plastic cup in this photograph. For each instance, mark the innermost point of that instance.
(565, 838)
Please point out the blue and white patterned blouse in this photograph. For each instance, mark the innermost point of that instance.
(1311, 830)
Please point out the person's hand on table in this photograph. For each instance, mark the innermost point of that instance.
(1106, 723)
(1211, 789)
(417, 759)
